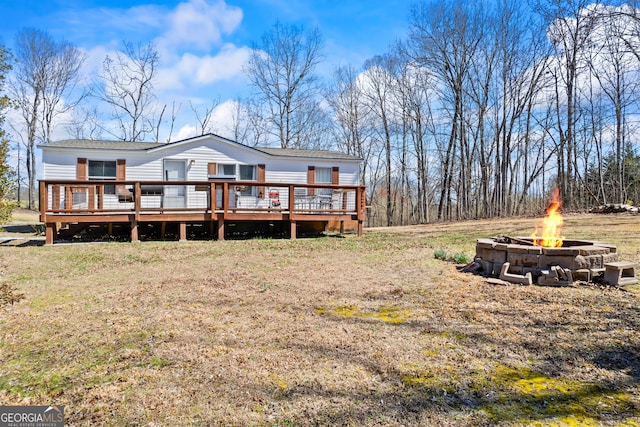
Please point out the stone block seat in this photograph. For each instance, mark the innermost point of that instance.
(620, 273)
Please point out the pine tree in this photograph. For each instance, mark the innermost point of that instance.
(7, 181)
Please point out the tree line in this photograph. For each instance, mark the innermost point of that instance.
(478, 112)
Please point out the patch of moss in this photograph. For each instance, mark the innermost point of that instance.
(391, 315)
(523, 396)
(49, 299)
(530, 397)
(279, 382)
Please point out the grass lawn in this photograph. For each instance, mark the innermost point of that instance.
(370, 331)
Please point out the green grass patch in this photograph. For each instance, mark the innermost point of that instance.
(457, 257)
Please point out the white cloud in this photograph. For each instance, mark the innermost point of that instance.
(191, 69)
(186, 131)
(198, 24)
(223, 117)
(195, 61)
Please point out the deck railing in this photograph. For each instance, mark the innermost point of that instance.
(184, 202)
(75, 198)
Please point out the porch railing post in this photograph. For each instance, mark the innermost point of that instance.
(212, 197)
(291, 199)
(225, 199)
(137, 199)
(43, 201)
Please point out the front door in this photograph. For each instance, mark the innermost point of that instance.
(175, 195)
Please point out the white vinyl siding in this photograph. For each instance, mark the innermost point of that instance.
(61, 164)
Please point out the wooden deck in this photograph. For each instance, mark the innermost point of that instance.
(189, 202)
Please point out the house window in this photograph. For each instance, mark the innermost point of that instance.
(103, 170)
(323, 176)
(248, 173)
(227, 170)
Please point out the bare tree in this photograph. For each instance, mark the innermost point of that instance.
(615, 69)
(47, 74)
(84, 124)
(378, 91)
(281, 69)
(238, 130)
(175, 109)
(64, 81)
(415, 88)
(444, 37)
(570, 25)
(352, 116)
(126, 86)
(204, 117)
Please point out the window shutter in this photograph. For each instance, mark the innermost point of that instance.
(212, 168)
(81, 170)
(311, 178)
(124, 195)
(335, 175)
(121, 172)
(261, 178)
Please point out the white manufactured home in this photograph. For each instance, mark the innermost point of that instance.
(114, 182)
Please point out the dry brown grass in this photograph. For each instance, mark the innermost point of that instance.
(329, 331)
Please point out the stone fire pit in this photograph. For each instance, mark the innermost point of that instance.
(517, 260)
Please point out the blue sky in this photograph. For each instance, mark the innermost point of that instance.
(204, 43)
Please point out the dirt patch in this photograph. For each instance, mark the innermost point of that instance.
(325, 331)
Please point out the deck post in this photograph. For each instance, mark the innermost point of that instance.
(211, 228)
(43, 201)
(137, 198)
(183, 231)
(220, 228)
(360, 227)
(134, 231)
(212, 197)
(293, 229)
(49, 232)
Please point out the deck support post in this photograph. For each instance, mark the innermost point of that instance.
(221, 229)
(163, 229)
(110, 229)
(293, 229)
(183, 231)
(50, 229)
(212, 225)
(360, 227)
(134, 232)
(341, 227)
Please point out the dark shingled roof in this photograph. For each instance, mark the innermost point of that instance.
(292, 152)
(144, 146)
(104, 145)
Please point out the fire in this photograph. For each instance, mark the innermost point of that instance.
(550, 235)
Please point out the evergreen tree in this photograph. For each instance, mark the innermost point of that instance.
(7, 180)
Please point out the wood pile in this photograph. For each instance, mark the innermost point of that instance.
(615, 208)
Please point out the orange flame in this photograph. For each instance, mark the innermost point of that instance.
(550, 235)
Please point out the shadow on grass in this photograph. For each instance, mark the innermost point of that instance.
(498, 394)
(21, 242)
(619, 358)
